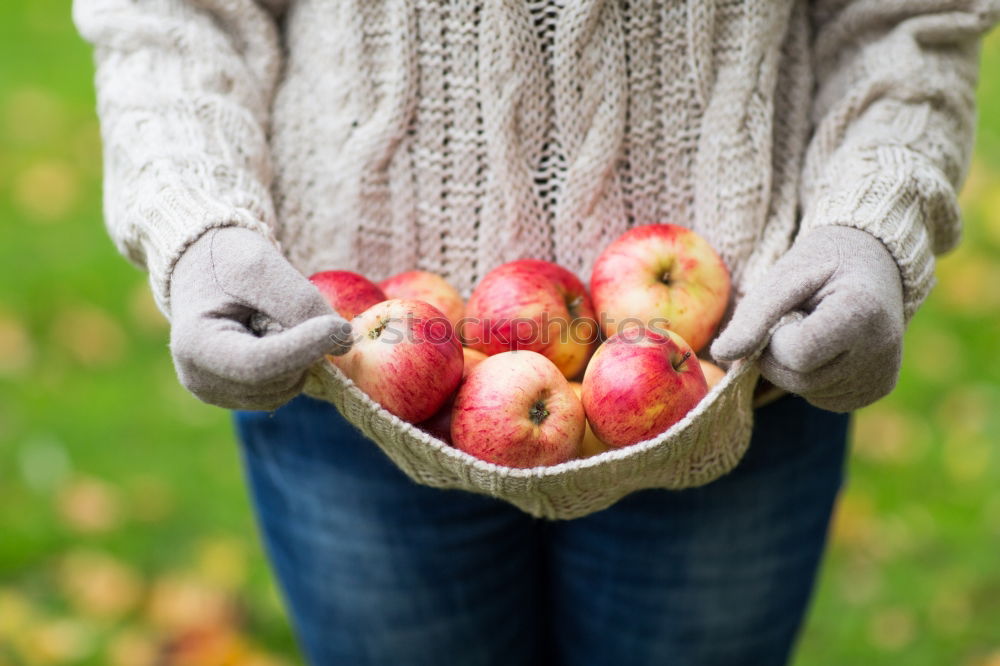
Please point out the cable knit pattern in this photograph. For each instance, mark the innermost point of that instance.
(454, 135)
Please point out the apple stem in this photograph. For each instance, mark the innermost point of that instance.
(573, 305)
(377, 331)
(684, 359)
(538, 413)
(665, 278)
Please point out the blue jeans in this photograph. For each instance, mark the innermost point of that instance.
(376, 569)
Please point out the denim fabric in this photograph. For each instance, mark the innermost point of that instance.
(376, 569)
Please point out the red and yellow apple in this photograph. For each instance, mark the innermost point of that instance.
(349, 294)
(713, 373)
(516, 409)
(405, 356)
(536, 306)
(591, 444)
(429, 287)
(439, 425)
(639, 383)
(662, 276)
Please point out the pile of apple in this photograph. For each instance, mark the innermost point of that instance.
(498, 377)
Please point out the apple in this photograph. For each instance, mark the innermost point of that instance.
(516, 409)
(639, 383)
(439, 425)
(348, 293)
(536, 306)
(405, 356)
(663, 276)
(429, 287)
(713, 373)
(591, 444)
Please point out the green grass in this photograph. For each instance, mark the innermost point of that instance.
(102, 451)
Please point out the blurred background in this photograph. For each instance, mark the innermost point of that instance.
(126, 537)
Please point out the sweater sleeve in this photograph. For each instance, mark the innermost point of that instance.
(184, 90)
(894, 117)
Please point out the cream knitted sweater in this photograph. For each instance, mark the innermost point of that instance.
(382, 135)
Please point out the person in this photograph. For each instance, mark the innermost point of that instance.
(817, 145)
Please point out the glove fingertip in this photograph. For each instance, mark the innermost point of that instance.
(731, 348)
(342, 336)
(330, 334)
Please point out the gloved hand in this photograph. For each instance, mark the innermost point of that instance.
(245, 325)
(845, 349)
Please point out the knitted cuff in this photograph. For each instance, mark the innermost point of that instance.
(900, 208)
(175, 219)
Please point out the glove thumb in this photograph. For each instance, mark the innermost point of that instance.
(788, 285)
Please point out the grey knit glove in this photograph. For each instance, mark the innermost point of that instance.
(245, 325)
(840, 346)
